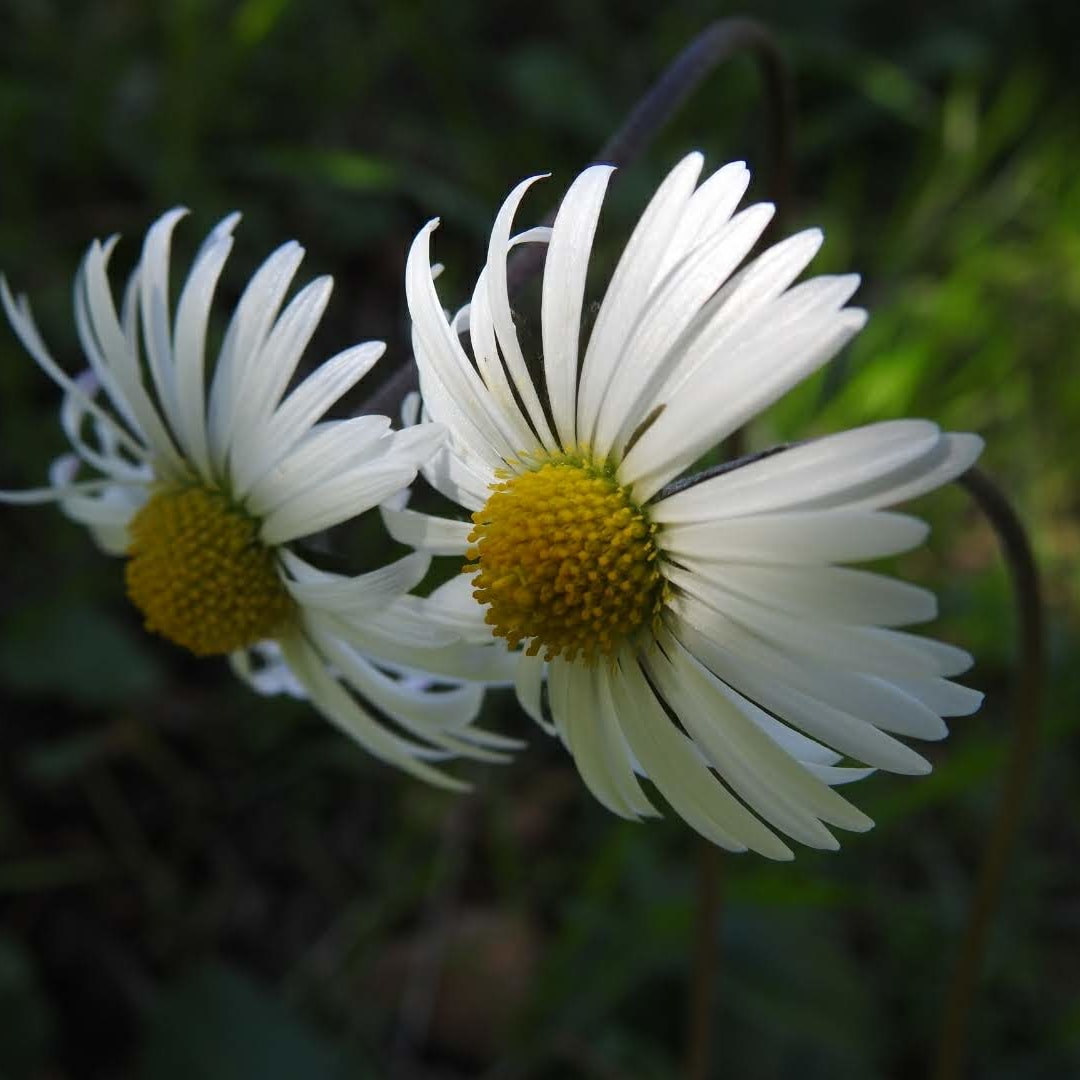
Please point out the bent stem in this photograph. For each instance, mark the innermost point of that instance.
(710, 50)
(1018, 554)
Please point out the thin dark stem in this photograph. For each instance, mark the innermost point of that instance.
(1003, 832)
(699, 1039)
(712, 48)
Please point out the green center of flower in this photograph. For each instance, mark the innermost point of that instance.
(201, 576)
(565, 560)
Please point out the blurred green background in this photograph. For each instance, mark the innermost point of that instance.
(198, 883)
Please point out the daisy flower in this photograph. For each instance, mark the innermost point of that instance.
(204, 481)
(703, 638)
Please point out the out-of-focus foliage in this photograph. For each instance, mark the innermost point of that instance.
(196, 882)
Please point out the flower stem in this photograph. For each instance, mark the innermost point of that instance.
(712, 48)
(699, 1038)
(1018, 554)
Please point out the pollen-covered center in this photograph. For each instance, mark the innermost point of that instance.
(200, 575)
(566, 560)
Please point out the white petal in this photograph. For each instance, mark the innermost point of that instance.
(602, 761)
(105, 373)
(944, 698)
(673, 763)
(439, 352)
(503, 319)
(472, 440)
(439, 717)
(314, 396)
(709, 208)
(22, 322)
(818, 470)
(738, 305)
(621, 765)
(564, 292)
(797, 538)
(453, 605)
(865, 648)
(192, 315)
(106, 456)
(119, 348)
(334, 702)
(435, 535)
(707, 409)
(835, 775)
(528, 685)
(954, 455)
(324, 453)
(770, 780)
(830, 593)
(244, 337)
(154, 308)
(885, 703)
(630, 285)
(669, 311)
(458, 662)
(345, 496)
(353, 595)
(273, 368)
(465, 481)
(478, 321)
(846, 733)
(574, 706)
(36, 496)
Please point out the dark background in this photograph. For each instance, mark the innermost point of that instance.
(195, 882)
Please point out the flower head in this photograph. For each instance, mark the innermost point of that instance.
(704, 638)
(206, 479)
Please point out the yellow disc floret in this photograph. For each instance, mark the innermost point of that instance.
(200, 575)
(567, 561)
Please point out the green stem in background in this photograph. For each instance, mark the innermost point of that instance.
(713, 47)
(1028, 693)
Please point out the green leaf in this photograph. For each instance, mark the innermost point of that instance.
(216, 1024)
(79, 654)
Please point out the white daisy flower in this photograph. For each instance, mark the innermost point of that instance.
(205, 481)
(703, 638)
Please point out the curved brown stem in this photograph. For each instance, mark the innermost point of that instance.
(1003, 832)
(713, 47)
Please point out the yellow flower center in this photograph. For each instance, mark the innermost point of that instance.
(566, 560)
(200, 575)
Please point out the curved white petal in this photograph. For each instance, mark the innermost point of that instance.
(189, 349)
(564, 293)
(273, 368)
(244, 337)
(440, 352)
(630, 285)
(324, 453)
(312, 588)
(502, 318)
(335, 703)
(709, 208)
(435, 535)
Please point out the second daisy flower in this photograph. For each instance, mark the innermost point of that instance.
(700, 637)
